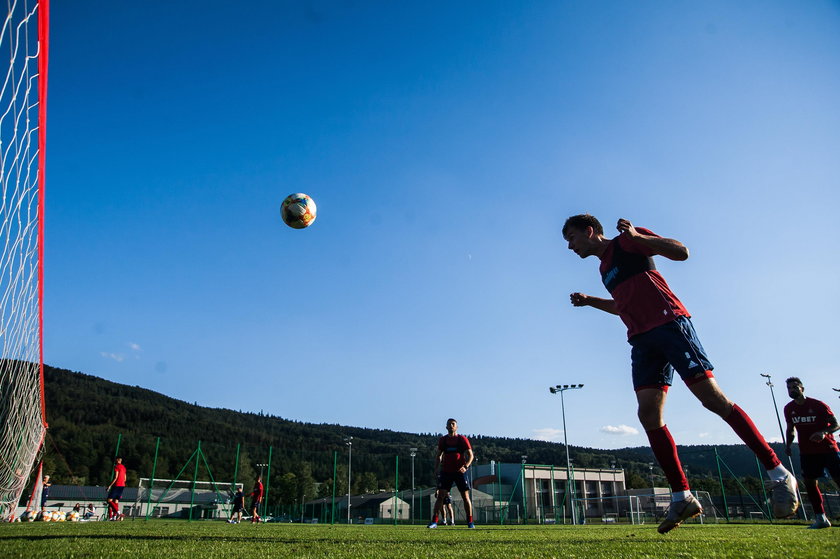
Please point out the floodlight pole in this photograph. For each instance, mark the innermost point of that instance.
(652, 491)
(554, 390)
(413, 452)
(784, 438)
(524, 491)
(349, 442)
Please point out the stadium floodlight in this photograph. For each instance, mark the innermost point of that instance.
(349, 442)
(413, 452)
(784, 438)
(569, 482)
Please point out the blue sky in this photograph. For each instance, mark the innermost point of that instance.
(445, 144)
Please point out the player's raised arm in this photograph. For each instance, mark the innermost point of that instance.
(583, 300)
(671, 249)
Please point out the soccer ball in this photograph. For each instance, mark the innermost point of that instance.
(298, 211)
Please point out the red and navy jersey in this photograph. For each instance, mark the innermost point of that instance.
(642, 296)
(807, 419)
(453, 449)
(257, 493)
(119, 472)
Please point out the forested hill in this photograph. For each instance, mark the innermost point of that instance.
(89, 416)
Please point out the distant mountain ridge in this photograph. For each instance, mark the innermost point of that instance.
(88, 416)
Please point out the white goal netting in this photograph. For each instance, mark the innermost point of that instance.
(161, 498)
(23, 43)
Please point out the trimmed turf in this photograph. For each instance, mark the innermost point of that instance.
(199, 540)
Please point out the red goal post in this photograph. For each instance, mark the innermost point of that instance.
(23, 109)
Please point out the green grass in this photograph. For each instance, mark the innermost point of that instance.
(179, 539)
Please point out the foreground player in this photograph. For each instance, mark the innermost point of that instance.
(663, 339)
(814, 423)
(115, 491)
(453, 458)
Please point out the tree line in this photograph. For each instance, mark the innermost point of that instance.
(89, 416)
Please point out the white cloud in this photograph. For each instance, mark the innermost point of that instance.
(548, 434)
(620, 430)
(133, 346)
(703, 435)
(118, 357)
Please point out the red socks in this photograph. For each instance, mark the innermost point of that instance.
(665, 451)
(747, 431)
(816, 498)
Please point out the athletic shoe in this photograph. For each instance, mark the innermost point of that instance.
(680, 511)
(783, 497)
(471, 525)
(432, 525)
(820, 523)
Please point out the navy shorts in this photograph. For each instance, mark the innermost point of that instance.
(446, 479)
(115, 492)
(815, 465)
(656, 353)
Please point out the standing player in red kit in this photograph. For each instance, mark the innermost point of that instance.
(814, 423)
(662, 338)
(115, 491)
(452, 460)
(256, 498)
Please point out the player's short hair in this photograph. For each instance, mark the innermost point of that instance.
(583, 221)
(794, 379)
(452, 419)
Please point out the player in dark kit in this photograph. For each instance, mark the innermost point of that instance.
(452, 460)
(814, 423)
(662, 338)
(238, 507)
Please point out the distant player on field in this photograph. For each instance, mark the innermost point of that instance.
(663, 339)
(45, 492)
(256, 498)
(238, 507)
(115, 490)
(447, 513)
(814, 423)
(452, 459)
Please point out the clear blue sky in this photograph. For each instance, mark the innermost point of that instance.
(445, 143)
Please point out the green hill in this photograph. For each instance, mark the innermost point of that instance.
(89, 416)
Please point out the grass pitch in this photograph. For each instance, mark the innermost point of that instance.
(193, 540)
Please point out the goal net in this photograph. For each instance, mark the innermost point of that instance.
(182, 497)
(23, 86)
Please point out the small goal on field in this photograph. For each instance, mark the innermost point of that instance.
(636, 509)
(184, 498)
